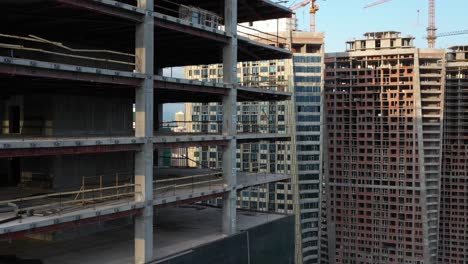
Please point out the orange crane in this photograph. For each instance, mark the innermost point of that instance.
(313, 11)
(431, 29)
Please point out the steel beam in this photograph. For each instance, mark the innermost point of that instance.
(108, 7)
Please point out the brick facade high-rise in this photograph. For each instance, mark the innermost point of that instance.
(453, 226)
(384, 104)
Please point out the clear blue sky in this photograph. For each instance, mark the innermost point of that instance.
(343, 20)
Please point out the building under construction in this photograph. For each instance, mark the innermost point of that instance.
(384, 105)
(453, 246)
(72, 163)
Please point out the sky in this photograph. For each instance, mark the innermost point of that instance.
(343, 20)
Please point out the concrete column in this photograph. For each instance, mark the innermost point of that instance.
(158, 120)
(144, 103)
(230, 117)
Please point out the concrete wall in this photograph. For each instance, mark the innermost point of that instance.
(4, 172)
(265, 244)
(2, 113)
(86, 115)
(67, 171)
(37, 115)
(70, 115)
(5, 103)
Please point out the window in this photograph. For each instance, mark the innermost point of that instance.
(308, 167)
(308, 157)
(308, 109)
(309, 195)
(308, 138)
(307, 59)
(308, 147)
(308, 69)
(308, 177)
(309, 206)
(308, 89)
(310, 118)
(315, 79)
(308, 128)
(308, 99)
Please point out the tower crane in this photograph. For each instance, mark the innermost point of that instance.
(313, 11)
(431, 29)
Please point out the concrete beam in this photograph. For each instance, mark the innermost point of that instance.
(184, 140)
(252, 137)
(144, 108)
(32, 152)
(62, 142)
(34, 68)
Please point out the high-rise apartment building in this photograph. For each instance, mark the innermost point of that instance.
(384, 105)
(300, 117)
(453, 226)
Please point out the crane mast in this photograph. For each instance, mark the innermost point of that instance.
(313, 11)
(431, 28)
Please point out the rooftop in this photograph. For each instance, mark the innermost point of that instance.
(458, 48)
(177, 230)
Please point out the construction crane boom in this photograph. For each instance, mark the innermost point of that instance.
(377, 3)
(453, 33)
(313, 11)
(299, 5)
(431, 28)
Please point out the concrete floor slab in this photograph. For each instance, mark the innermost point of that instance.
(176, 230)
(166, 193)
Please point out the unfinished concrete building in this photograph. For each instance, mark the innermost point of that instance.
(384, 104)
(71, 72)
(453, 238)
(301, 118)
